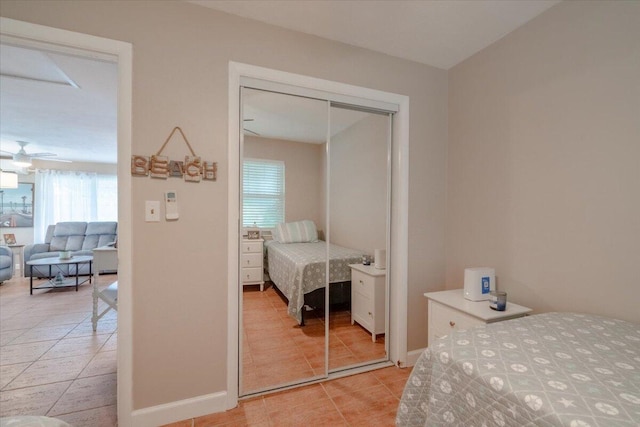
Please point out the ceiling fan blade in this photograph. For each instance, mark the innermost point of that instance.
(56, 160)
(248, 120)
(35, 155)
(250, 131)
(6, 156)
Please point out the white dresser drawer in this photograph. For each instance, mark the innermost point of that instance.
(362, 311)
(252, 274)
(362, 284)
(446, 320)
(251, 260)
(249, 247)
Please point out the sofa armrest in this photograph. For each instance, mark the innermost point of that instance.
(30, 250)
(6, 250)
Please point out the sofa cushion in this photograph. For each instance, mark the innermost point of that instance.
(66, 243)
(70, 229)
(100, 234)
(68, 236)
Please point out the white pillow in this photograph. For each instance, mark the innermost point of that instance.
(296, 232)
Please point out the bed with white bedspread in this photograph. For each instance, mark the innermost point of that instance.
(552, 369)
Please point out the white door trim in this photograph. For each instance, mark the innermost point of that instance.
(399, 209)
(121, 52)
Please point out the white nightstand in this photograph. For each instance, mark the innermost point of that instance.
(449, 310)
(252, 262)
(367, 298)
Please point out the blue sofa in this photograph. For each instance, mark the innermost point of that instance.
(6, 263)
(80, 238)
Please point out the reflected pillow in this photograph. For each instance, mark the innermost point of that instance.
(296, 232)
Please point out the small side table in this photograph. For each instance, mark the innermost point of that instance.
(449, 311)
(18, 257)
(105, 258)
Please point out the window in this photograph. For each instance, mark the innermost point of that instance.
(73, 196)
(262, 193)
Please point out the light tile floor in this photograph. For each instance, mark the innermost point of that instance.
(51, 361)
(276, 350)
(367, 399)
(272, 339)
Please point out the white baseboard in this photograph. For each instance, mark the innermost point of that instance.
(413, 355)
(179, 410)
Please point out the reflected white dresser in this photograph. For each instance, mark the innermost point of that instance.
(252, 262)
(368, 297)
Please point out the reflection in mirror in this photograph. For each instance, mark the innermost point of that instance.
(358, 218)
(282, 320)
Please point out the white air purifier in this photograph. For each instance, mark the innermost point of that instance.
(380, 259)
(478, 282)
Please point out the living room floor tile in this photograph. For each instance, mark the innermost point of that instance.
(35, 400)
(44, 334)
(9, 372)
(76, 346)
(50, 371)
(87, 393)
(104, 362)
(20, 353)
(106, 416)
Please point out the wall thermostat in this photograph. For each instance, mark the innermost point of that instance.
(171, 205)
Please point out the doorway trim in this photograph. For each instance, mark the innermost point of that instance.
(122, 52)
(399, 205)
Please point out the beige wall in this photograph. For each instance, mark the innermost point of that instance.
(544, 161)
(180, 78)
(358, 197)
(303, 172)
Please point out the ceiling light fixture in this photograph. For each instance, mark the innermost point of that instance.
(8, 179)
(21, 160)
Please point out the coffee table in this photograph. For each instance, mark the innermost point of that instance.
(66, 282)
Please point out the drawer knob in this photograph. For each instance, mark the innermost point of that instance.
(452, 323)
(361, 282)
(370, 314)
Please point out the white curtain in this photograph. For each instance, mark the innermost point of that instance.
(73, 196)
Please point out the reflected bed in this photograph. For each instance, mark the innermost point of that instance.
(298, 269)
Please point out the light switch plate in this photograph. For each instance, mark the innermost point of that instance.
(152, 211)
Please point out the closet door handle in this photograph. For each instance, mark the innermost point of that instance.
(452, 323)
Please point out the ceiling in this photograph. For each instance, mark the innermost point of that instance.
(65, 104)
(57, 103)
(438, 33)
(293, 118)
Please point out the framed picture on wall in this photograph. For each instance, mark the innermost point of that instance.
(10, 239)
(16, 206)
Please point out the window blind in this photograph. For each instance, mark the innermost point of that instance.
(262, 193)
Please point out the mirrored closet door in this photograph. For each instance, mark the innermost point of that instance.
(358, 199)
(315, 179)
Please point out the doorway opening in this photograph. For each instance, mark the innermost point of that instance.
(84, 45)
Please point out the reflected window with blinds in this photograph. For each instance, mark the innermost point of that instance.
(262, 192)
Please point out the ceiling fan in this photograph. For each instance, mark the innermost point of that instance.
(248, 130)
(23, 159)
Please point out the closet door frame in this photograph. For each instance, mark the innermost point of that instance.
(339, 92)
